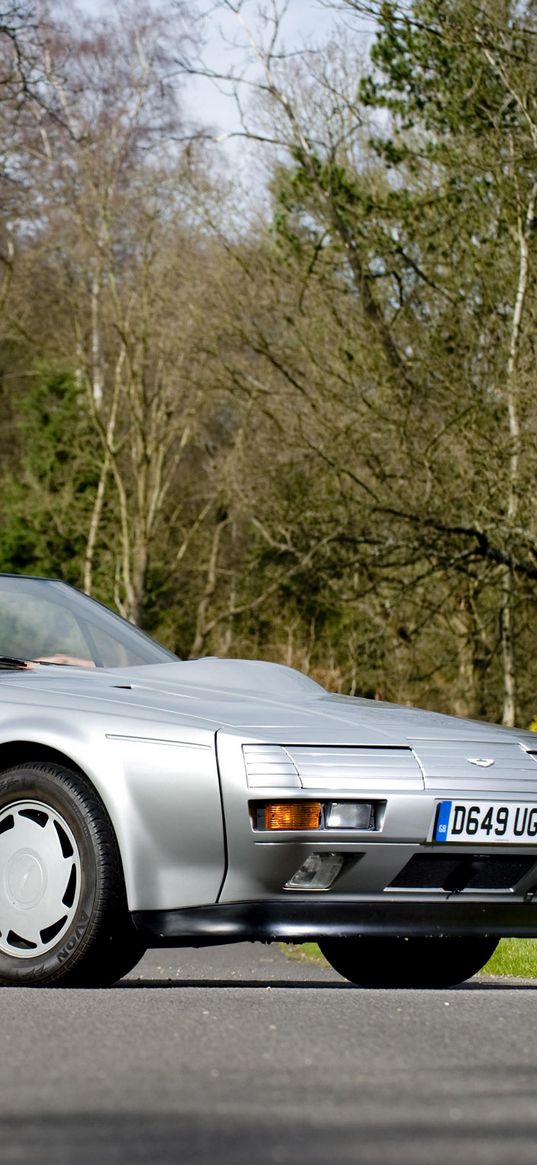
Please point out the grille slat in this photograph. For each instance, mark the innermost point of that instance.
(351, 768)
(269, 765)
(331, 767)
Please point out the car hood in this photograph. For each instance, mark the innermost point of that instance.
(260, 701)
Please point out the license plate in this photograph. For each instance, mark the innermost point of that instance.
(486, 821)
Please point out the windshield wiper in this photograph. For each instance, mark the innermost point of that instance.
(11, 661)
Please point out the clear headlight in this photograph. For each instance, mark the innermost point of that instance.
(349, 815)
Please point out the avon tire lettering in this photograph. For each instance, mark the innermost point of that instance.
(74, 940)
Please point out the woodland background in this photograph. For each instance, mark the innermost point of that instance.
(293, 418)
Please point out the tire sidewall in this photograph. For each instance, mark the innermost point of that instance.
(60, 790)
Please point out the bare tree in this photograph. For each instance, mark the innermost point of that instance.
(404, 268)
(119, 214)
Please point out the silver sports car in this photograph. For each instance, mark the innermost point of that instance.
(146, 801)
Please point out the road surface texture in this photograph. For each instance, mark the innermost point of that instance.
(240, 1056)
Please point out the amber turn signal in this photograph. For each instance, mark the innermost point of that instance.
(293, 815)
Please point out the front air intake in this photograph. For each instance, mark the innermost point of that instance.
(454, 873)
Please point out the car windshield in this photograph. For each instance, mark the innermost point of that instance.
(49, 621)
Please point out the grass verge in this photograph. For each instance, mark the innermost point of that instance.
(513, 956)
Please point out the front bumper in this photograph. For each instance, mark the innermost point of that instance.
(294, 919)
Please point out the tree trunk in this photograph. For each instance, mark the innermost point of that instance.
(507, 628)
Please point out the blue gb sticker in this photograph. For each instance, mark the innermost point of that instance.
(442, 821)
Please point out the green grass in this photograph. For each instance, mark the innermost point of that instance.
(307, 951)
(513, 956)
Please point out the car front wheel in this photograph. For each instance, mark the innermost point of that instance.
(63, 911)
(407, 962)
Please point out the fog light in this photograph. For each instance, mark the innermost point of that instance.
(317, 873)
(350, 815)
(293, 815)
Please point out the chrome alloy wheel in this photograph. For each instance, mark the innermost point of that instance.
(40, 878)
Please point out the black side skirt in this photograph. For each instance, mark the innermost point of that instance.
(296, 920)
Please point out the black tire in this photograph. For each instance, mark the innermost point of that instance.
(111, 959)
(407, 962)
(63, 911)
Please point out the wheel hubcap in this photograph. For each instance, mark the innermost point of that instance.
(39, 878)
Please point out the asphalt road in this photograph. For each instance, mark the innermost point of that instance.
(239, 1056)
